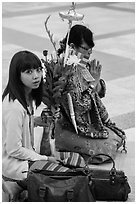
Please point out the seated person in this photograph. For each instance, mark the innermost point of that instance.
(24, 89)
(95, 133)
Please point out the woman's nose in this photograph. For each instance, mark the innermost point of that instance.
(35, 74)
(90, 51)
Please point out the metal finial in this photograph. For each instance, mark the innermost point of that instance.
(71, 15)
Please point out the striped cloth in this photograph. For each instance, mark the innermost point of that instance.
(68, 160)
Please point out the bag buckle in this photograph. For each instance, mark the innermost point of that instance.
(42, 190)
(70, 195)
(112, 175)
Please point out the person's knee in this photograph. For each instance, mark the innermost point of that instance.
(10, 191)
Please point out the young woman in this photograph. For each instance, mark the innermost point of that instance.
(96, 133)
(22, 94)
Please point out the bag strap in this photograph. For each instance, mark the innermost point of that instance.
(106, 155)
(55, 173)
(119, 132)
(113, 169)
(43, 191)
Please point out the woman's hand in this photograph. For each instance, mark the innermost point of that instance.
(39, 122)
(47, 115)
(95, 70)
(53, 159)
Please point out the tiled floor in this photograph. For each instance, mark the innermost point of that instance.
(113, 24)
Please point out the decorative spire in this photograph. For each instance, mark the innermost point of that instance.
(71, 15)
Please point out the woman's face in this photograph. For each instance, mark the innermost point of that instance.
(84, 49)
(31, 78)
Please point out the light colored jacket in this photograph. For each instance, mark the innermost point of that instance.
(17, 140)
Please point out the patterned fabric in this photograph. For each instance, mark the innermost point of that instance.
(47, 165)
(96, 134)
(90, 112)
(71, 159)
(68, 160)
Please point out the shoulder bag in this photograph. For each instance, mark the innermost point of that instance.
(53, 186)
(108, 185)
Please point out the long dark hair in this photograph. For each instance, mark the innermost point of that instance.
(78, 33)
(20, 62)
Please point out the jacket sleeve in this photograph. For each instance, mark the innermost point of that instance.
(14, 148)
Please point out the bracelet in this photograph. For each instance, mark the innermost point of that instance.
(90, 89)
(103, 88)
(91, 86)
(102, 82)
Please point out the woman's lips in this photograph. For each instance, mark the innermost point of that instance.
(36, 83)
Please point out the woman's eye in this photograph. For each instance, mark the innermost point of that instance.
(29, 71)
(39, 69)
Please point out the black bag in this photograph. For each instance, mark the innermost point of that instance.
(48, 186)
(109, 185)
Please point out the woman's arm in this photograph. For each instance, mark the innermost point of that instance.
(14, 137)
